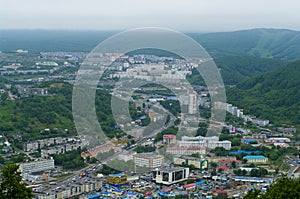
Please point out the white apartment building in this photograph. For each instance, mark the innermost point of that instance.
(36, 166)
(148, 160)
(185, 150)
(204, 142)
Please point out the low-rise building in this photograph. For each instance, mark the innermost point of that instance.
(278, 140)
(256, 159)
(198, 163)
(208, 142)
(185, 150)
(170, 176)
(169, 139)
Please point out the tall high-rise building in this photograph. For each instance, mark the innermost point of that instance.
(193, 103)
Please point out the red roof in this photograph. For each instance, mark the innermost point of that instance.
(221, 192)
(189, 185)
(170, 136)
(223, 167)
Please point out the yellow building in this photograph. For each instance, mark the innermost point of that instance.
(256, 159)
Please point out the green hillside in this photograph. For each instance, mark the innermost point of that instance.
(273, 95)
(236, 68)
(28, 116)
(266, 43)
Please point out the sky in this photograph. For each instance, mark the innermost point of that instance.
(182, 15)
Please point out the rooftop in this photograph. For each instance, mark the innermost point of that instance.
(254, 157)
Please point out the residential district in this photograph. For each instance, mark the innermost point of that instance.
(250, 153)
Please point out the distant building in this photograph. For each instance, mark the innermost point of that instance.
(185, 150)
(169, 139)
(170, 176)
(199, 163)
(200, 141)
(117, 180)
(278, 140)
(218, 158)
(260, 122)
(193, 103)
(37, 166)
(149, 160)
(256, 159)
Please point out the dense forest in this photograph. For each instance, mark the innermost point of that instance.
(273, 95)
(30, 116)
(234, 69)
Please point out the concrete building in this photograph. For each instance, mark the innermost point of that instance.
(36, 166)
(278, 140)
(185, 150)
(170, 176)
(149, 160)
(199, 163)
(256, 159)
(169, 139)
(193, 103)
(208, 142)
(60, 149)
(218, 158)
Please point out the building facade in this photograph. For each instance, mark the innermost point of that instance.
(185, 150)
(148, 160)
(171, 175)
(36, 166)
(208, 142)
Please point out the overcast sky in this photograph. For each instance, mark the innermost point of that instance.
(183, 15)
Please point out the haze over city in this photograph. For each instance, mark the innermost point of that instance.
(190, 15)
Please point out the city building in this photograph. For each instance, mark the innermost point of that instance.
(278, 140)
(170, 176)
(149, 160)
(185, 150)
(117, 180)
(36, 166)
(208, 142)
(256, 159)
(169, 139)
(218, 158)
(198, 163)
(193, 103)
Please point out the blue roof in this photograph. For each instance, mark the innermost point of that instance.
(93, 196)
(171, 97)
(200, 182)
(242, 151)
(143, 117)
(249, 141)
(117, 174)
(254, 157)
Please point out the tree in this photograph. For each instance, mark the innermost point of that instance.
(11, 186)
(233, 164)
(282, 189)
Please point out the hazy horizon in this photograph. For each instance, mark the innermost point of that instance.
(186, 16)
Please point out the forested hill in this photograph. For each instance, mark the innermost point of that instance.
(273, 95)
(236, 68)
(266, 43)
